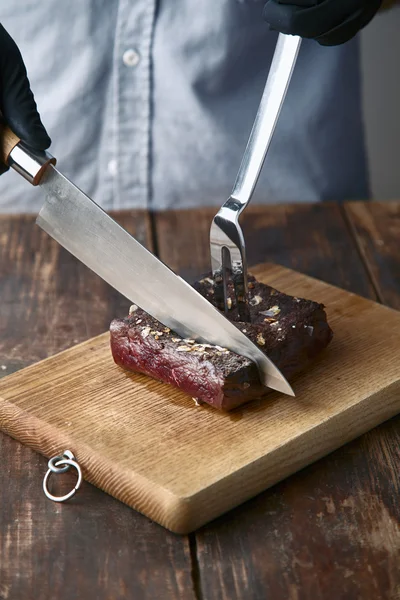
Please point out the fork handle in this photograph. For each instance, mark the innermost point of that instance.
(280, 73)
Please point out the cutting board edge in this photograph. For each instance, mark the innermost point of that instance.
(184, 514)
(223, 488)
(50, 441)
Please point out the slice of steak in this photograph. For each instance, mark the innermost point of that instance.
(291, 331)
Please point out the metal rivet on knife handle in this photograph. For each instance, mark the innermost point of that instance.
(29, 163)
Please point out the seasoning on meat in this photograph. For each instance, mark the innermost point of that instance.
(291, 331)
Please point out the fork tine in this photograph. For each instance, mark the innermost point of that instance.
(219, 288)
(226, 270)
(239, 278)
(221, 278)
(237, 249)
(229, 257)
(241, 293)
(217, 241)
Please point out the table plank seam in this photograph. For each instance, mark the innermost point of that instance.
(195, 571)
(351, 229)
(153, 232)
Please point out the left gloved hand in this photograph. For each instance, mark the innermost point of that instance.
(17, 104)
(329, 22)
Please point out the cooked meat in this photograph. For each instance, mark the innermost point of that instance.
(291, 331)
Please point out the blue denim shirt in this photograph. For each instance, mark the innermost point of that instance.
(149, 104)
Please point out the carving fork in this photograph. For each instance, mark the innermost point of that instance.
(228, 252)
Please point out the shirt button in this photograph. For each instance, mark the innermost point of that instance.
(112, 167)
(130, 57)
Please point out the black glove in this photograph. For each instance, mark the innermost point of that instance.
(17, 103)
(329, 22)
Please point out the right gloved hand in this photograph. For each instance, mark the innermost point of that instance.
(17, 104)
(329, 22)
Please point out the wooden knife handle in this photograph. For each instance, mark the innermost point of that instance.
(31, 164)
(8, 142)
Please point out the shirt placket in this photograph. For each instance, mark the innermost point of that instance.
(129, 163)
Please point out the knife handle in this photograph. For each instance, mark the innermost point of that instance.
(31, 164)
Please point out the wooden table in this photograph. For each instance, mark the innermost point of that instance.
(329, 532)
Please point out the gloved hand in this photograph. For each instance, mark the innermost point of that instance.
(17, 103)
(329, 22)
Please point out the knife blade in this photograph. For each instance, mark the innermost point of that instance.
(81, 226)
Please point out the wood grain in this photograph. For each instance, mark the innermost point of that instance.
(148, 445)
(95, 547)
(376, 226)
(49, 300)
(330, 531)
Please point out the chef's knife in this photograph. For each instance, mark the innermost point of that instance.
(86, 231)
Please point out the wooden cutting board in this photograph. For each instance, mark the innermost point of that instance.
(148, 445)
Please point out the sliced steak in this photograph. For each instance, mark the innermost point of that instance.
(291, 331)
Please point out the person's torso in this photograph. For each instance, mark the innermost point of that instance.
(150, 104)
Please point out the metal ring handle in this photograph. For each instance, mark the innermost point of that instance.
(64, 461)
(52, 466)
